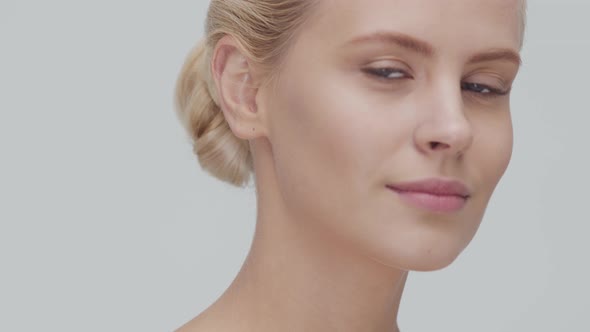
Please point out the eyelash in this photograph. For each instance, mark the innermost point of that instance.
(379, 74)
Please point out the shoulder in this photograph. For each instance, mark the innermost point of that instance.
(203, 323)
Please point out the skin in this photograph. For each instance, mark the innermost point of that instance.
(333, 246)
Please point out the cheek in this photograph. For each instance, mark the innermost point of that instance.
(493, 149)
(323, 149)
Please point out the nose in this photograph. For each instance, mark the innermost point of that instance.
(444, 128)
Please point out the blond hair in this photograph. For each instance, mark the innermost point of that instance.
(522, 9)
(263, 28)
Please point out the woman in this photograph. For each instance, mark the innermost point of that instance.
(376, 132)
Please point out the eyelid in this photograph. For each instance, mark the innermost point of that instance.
(493, 93)
(487, 79)
(376, 70)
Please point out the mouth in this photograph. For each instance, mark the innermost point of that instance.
(435, 195)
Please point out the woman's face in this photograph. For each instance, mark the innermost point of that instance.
(378, 92)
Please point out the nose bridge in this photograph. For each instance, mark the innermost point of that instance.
(447, 98)
(445, 125)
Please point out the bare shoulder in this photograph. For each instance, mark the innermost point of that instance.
(197, 324)
(191, 326)
(203, 323)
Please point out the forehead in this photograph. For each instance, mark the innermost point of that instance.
(460, 25)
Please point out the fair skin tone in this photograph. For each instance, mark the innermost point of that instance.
(349, 115)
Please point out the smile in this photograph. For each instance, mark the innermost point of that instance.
(432, 202)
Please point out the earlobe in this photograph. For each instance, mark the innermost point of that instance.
(236, 89)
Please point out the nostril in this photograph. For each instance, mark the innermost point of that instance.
(434, 145)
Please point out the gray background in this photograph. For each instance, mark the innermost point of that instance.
(108, 224)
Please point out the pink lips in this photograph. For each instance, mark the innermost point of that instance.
(437, 195)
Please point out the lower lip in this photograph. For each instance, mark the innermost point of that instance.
(431, 202)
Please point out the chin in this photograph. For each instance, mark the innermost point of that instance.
(431, 263)
(421, 259)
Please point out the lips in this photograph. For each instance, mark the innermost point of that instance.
(434, 186)
(435, 195)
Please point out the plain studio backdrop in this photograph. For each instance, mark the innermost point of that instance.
(107, 223)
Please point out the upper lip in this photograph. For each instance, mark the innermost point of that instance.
(434, 186)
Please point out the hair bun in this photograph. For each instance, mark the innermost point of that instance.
(218, 150)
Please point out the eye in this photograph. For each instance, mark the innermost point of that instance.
(483, 90)
(393, 74)
(387, 73)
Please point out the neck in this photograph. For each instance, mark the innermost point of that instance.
(294, 283)
(298, 280)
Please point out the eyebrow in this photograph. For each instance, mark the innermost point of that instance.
(421, 47)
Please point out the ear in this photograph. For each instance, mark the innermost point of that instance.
(234, 79)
